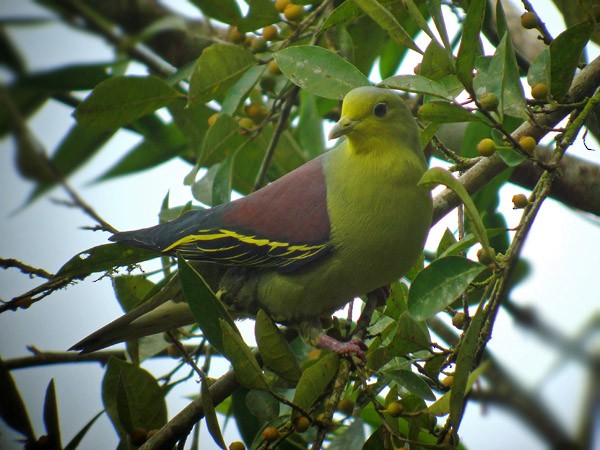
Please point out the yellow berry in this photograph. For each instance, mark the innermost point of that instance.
(529, 20)
(270, 434)
(138, 436)
(270, 33)
(486, 147)
(540, 91)
(489, 101)
(520, 201)
(236, 36)
(268, 83)
(448, 381)
(528, 144)
(313, 354)
(256, 112)
(301, 424)
(345, 406)
(483, 257)
(281, 4)
(258, 45)
(212, 119)
(274, 68)
(293, 12)
(394, 409)
(247, 124)
(459, 319)
(237, 445)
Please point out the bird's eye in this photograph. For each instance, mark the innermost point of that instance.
(380, 109)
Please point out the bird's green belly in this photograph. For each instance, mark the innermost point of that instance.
(357, 268)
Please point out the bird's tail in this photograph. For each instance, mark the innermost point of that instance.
(166, 310)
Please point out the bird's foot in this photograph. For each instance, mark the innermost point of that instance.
(381, 294)
(353, 347)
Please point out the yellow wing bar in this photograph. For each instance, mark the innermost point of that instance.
(232, 248)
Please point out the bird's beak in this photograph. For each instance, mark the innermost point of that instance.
(342, 127)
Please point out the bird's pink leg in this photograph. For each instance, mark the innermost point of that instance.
(349, 348)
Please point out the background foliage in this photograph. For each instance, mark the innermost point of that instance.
(167, 78)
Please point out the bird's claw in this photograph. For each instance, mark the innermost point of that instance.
(353, 347)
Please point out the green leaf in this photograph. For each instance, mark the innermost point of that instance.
(221, 140)
(428, 133)
(501, 26)
(437, 175)
(78, 77)
(217, 69)
(314, 380)
(446, 241)
(25, 100)
(51, 422)
(470, 44)
(120, 100)
(260, 14)
(439, 284)
(12, 407)
(418, 19)
(132, 290)
(436, 62)
(208, 309)
(511, 157)
(442, 406)
(32, 161)
(500, 75)
(248, 424)
(386, 20)
(539, 70)
(344, 13)
(192, 122)
(435, 10)
(76, 148)
(131, 393)
(74, 443)
(565, 51)
(410, 337)
(417, 84)
(275, 351)
(103, 258)
(124, 413)
(226, 11)
(161, 144)
(319, 71)
(468, 241)
(309, 131)
(352, 438)
(212, 423)
(412, 383)
(247, 370)
(221, 188)
(445, 112)
(262, 405)
(240, 90)
(464, 365)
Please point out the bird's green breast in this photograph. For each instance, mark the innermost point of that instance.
(379, 220)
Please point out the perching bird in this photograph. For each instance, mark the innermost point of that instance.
(342, 225)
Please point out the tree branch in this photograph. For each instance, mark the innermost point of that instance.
(584, 85)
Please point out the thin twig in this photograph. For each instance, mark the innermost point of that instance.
(25, 268)
(281, 124)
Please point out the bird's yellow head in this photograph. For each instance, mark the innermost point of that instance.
(371, 114)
